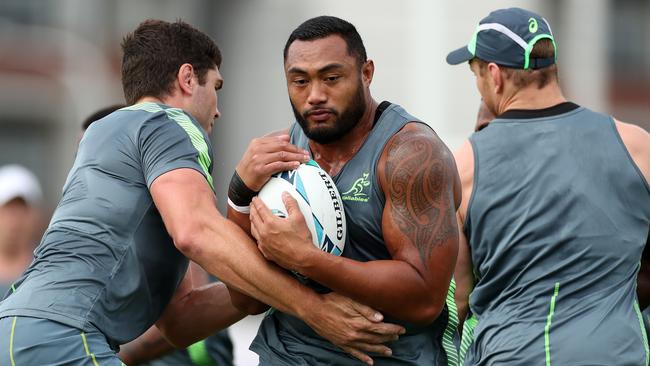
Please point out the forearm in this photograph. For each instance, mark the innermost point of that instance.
(228, 253)
(198, 314)
(462, 306)
(243, 302)
(149, 346)
(246, 303)
(463, 274)
(391, 286)
(240, 219)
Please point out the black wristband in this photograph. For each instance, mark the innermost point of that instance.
(238, 191)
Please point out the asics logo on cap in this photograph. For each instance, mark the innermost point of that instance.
(532, 25)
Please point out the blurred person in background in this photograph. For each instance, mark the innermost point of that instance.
(151, 348)
(400, 190)
(555, 212)
(20, 222)
(139, 203)
(97, 115)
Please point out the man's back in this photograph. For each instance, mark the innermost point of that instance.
(106, 255)
(557, 221)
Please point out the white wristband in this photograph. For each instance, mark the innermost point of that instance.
(241, 209)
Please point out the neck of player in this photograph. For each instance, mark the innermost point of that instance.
(332, 156)
(532, 97)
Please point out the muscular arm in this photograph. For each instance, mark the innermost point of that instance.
(240, 300)
(188, 208)
(420, 182)
(464, 269)
(196, 314)
(422, 191)
(463, 276)
(149, 346)
(637, 143)
(196, 285)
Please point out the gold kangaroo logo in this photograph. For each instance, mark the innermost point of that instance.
(358, 186)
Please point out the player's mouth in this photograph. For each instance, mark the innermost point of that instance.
(320, 115)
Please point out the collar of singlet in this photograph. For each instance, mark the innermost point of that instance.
(380, 109)
(555, 110)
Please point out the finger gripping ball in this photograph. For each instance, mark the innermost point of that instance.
(319, 202)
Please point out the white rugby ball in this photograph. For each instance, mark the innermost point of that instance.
(319, 201)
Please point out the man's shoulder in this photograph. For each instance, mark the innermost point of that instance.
(162, 120)
(634, 133)
(416, 144)
(637, 143)
(152, 113)
(413, 127)
(415, 134)
(399, 112)
(635, 138)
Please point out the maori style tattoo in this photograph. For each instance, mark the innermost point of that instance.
(419, 172)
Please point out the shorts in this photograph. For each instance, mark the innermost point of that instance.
(26, 341)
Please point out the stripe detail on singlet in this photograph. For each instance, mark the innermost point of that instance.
(196, 137)
(467, 337)
(643, 332)
(452, 326)
(199, 355)
(150, 107)
(13, 288)
(91, 355)
(547, 328)
(11, 342)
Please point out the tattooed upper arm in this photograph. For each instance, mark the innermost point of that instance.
(422, 190)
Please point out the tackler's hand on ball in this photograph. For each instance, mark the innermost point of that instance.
(285, 241)
(266, 156)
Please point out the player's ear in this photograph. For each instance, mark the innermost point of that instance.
(497, 77)
(367, 72)
(185, 78)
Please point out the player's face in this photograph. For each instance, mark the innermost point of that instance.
(17, 224)
(205, 99)
(326, 87)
